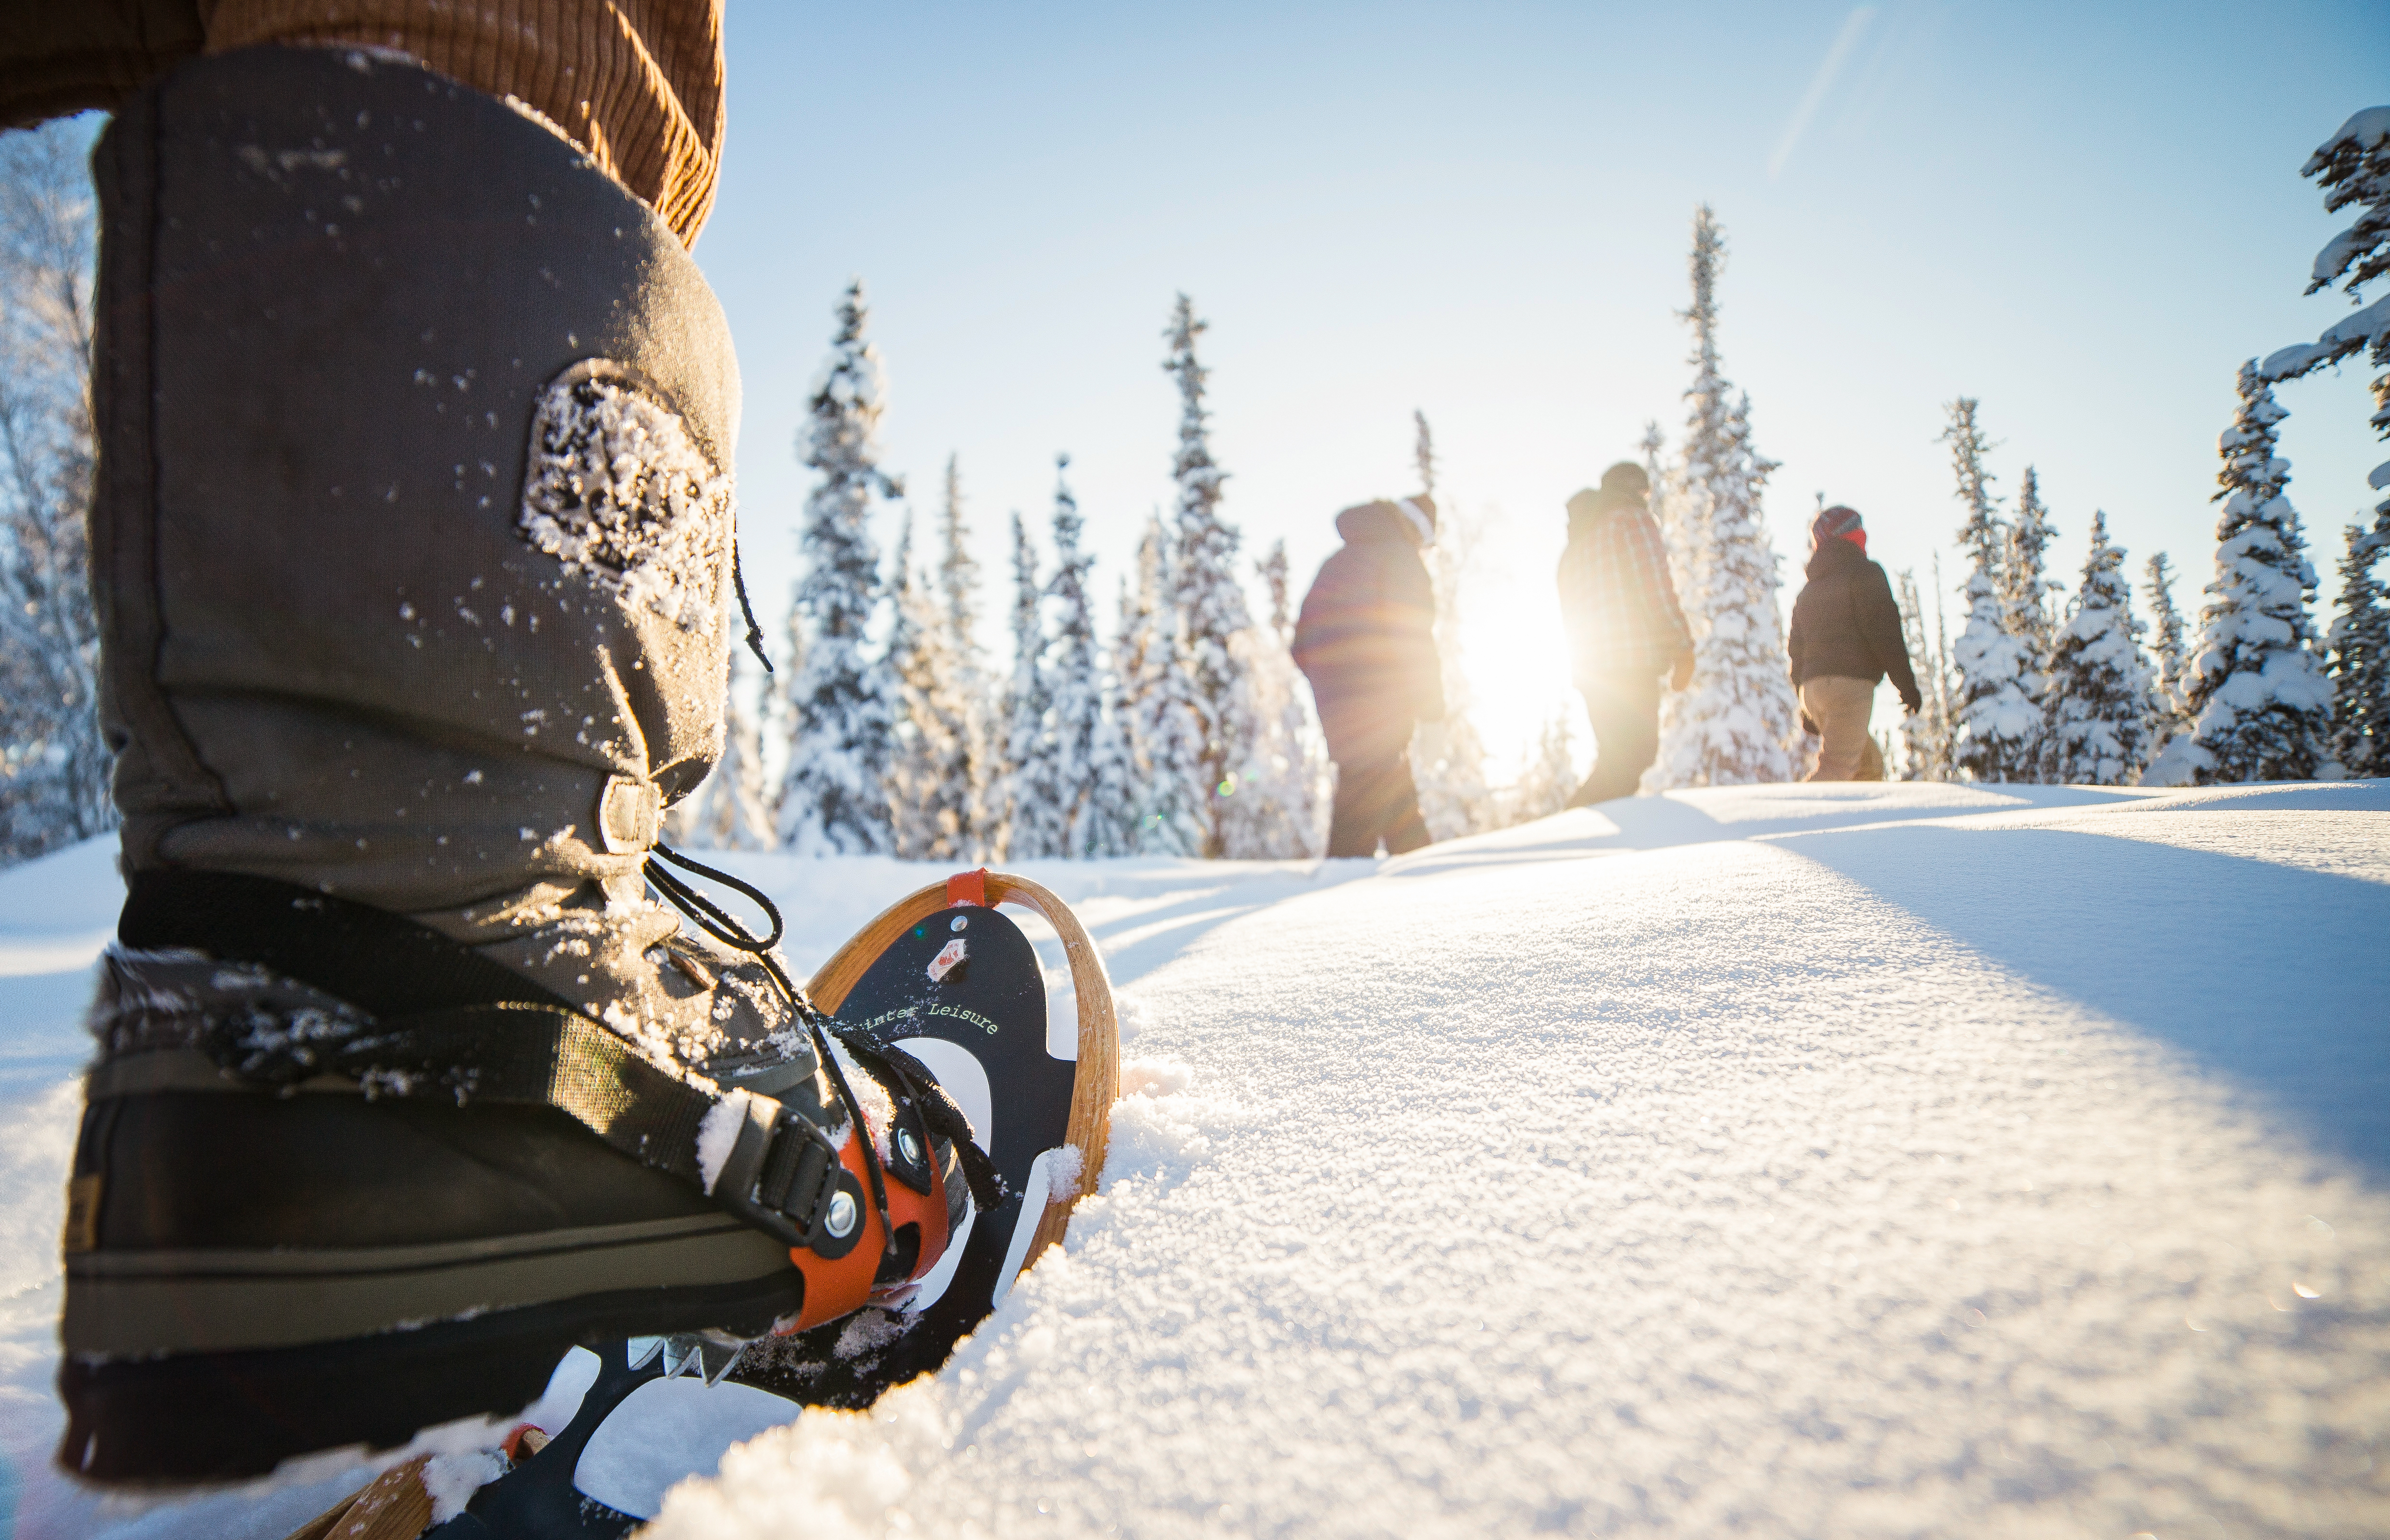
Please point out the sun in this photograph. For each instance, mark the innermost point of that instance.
(1513, 650)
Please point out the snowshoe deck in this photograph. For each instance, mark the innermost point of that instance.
(946, 977)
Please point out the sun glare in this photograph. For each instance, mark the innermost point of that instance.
(1513, 651)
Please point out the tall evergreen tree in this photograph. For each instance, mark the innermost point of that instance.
(929, 823)
(1277, 809)
(1997, 716)
(2167, 643)
(2360, 643)
(1549, 774)
(1092, 767)
(965, 788)
(1204, 591)
(1448, 757)
(1165, 736)
(1032, 817)
(728, 810)
(2026, 592)
(2099, 731)
(834, 798)
(53, 763)
(1739, 721)
(2353, 169)
(2261, 705)
(959, 575)
(1668, 511)
(1926, 736)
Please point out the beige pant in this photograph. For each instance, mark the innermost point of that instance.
(1840, 707)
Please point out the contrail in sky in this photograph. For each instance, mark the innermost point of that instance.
(1820, 84)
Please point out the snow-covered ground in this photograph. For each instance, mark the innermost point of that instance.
(1845, 1160)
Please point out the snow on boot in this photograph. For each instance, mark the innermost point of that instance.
(413, 540)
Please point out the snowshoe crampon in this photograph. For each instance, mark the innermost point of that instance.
(950, 981)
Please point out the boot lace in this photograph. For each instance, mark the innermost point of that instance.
(722, 925)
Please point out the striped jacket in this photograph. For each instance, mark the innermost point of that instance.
(1616, 596)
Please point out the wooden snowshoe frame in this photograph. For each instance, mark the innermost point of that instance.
(1097, 1084)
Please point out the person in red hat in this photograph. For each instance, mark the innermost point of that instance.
(1846, 636)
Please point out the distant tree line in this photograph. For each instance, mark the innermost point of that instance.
(1176, 722)
(2256, 691)
(1189, 734)
(54, 767)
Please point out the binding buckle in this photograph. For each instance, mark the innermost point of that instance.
(782, 1174)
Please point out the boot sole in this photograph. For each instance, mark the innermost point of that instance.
(204, 1416)
(122, 1304)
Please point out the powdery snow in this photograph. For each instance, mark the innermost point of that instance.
(1888, 1159)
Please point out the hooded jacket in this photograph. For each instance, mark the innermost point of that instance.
(1366, 639)
(1846, 624)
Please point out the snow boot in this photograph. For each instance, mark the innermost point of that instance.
(414, 548)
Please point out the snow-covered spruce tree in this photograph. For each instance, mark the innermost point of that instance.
(1925, 737)
(1279, 810)
(54, 765)
(728, 810)
(1030, 814)
(2259, 703)
(971, 771)
(2353, 169)
(780, 710)
(1668, 512)
(1205, 594)
(926, 822)
(2359, 645)
(834, 798)
(1448, 757)
(2167, 643)
(1092, 768)
(1549, 775)
(2026, 590)
(1997, 721)
(1946, 677)
(1739, 721)
(2100, 732)
(1164, 734)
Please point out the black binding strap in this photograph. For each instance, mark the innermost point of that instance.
(446, 1019)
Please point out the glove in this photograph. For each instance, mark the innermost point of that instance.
(1808, 726)
(1912, 703)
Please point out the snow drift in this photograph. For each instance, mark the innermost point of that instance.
(1910, 1160)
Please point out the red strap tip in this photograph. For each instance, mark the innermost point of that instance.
(967, 888)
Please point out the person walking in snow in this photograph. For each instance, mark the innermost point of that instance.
(1625, 627)
(1846, 636)
(1366, 639)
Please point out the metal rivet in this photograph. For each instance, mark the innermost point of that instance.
(843, 1215)
(909, 1147)
(962, 922)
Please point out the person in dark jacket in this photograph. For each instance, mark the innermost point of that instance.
(1366, 640)
(1625, 627)
(1846, 636)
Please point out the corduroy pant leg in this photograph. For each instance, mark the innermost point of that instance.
(1840, 706)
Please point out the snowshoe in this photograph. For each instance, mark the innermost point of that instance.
(951, 983)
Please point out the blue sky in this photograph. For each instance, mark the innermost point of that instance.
(2084, 216)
